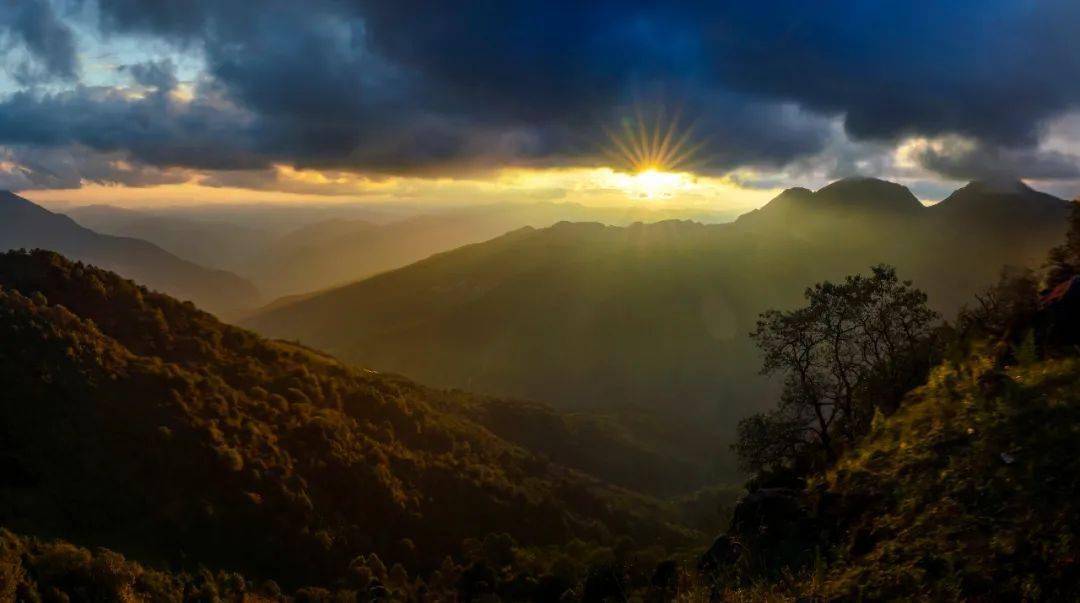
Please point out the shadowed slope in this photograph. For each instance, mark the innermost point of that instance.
(26, 225)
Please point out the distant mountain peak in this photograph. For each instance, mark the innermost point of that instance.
(1001, 185)
(14, 205)
(869, 192)
(8, 196)
(855, 194)
(796, 192)
(1007, 198)
(26, 225)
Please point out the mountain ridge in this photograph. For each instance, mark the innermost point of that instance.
(24, 224)
(646, 316)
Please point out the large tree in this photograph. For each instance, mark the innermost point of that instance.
(854, 348)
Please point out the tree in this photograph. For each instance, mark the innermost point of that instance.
(1064, 260)
(855, 347)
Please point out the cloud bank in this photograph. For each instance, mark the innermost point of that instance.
(421, 88)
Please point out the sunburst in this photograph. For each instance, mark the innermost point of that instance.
(654, 143)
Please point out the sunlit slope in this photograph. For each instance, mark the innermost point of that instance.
(970, 488)
(139, 423)
(654, 315)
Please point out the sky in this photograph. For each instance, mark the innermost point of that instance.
(710, 104)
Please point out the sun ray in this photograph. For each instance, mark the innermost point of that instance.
(654, 141)
(686, 155)
(622, 149)
(654, 154)
(642, 140)
(654, 145)
(631, 141)
(665, 146)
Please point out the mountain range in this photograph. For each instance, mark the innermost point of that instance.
(26, 225)
(209, 242)
(296, 251)
(655, 317)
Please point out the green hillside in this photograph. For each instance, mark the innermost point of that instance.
(139, 423)
(969, 491)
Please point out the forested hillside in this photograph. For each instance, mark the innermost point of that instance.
(140, 423)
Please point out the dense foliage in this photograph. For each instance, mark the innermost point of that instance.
(851, 352)
(137, 422)
(968, 492)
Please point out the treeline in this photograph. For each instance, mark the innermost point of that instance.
(35, 569)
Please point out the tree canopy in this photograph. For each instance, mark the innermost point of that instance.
(854, 348)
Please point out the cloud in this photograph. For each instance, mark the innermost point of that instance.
(160, 75)
(27, 168)
(148, 127)
(965, 159)
(366, 86)
(987, 69)
(34, 25)
(402, 87)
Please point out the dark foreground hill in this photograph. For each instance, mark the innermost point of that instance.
(24, 225)
(656, 316)
(133, 421)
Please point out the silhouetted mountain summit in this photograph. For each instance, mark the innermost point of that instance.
(24, 224)
(855, 197)
(868, 193)
(13, 204)
(1001, 200)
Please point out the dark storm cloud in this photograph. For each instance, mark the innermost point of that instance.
(153, 129)
(961, 161)
(991, 69)
(155, 74)
(70, 167)
(413, 87)
(421, 87)
(35, 26)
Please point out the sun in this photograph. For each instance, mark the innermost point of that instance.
(651, 184)
(655, 184)
(655, 154)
